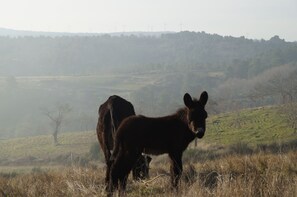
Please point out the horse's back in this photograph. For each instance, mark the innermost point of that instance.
(111, 114)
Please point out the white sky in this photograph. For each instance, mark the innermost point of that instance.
(251, 18)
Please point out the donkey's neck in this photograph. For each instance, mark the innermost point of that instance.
(182, 115)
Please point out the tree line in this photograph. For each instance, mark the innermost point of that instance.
(75, 55)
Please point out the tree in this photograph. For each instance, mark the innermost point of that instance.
(279, 81)
(290, 111)
(57, 117)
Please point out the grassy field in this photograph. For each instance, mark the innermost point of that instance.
(43, 146)
(234, 175)
(247, 153)
(106, 81)
(252, 126)
(263, 125)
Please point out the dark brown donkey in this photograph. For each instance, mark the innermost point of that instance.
(111, 113)
(170, 134)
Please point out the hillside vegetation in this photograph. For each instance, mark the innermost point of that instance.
(256, 126)
(219, 166)
(149, 71)
(43, 146)
(264, 125)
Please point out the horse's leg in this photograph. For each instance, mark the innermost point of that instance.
(107, 155)
(123, 183)
(140, 170)
(107, 144)
(137, 168)
(176, 169)
(103, 143)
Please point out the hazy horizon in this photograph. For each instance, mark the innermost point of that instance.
(252, 19)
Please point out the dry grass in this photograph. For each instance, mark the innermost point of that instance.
(234, 175)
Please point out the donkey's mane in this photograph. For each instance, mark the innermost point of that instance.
(181, 113)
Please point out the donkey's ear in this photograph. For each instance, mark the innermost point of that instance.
(203, 98)
(188, 100)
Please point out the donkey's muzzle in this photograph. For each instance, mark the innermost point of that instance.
(200, 132)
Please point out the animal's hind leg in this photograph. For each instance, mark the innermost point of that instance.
(130, 161)
(119, 172)
(123, 184)
(107, 156)
(176, 169)
(113, 172)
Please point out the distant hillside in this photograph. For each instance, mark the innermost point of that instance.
(71, 54)
(153, 72)
(24, 33)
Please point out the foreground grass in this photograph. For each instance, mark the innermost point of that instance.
(232, 175)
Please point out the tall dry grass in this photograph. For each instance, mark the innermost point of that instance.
(259, 174)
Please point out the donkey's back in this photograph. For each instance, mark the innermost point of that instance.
(154, 135)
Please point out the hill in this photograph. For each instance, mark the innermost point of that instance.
(150, 71)
(42, 146)
(94, 54)
(264, 125)
(253, 126)
(22, 33)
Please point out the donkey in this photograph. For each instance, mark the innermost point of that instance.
(111, 113)
(170, 134)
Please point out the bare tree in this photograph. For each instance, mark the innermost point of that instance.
(232, 94)
(57, 117)
(290, 112)
(279, 81)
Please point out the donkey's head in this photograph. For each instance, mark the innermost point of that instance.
(141, 168)
(196, 114)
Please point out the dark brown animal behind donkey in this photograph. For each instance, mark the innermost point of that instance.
(111, 113)
(170, 134)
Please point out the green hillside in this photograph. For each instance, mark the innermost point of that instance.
(43, 147)
(253, 126)
(263, 125)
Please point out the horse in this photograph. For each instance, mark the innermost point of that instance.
(111, 113)
(162, 135)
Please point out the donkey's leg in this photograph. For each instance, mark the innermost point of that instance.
(176, 169)
(115, 171)
(130, 161)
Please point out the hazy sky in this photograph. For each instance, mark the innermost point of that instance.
(251, 18)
